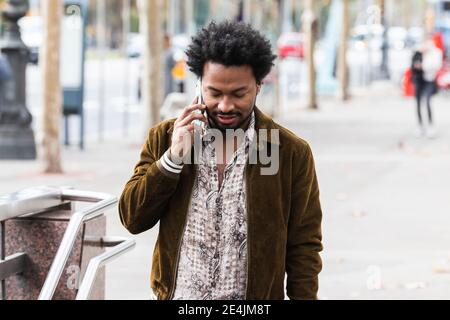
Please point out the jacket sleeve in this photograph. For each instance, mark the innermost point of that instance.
(147, 193)
(303, 262)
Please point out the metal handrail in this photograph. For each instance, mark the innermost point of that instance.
(28, 201)
(121, 245)
(104, 201)
(25, 202)
(12, 265)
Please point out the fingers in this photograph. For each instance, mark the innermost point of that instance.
(189, 109)
(191, 117)
(183, 136)
(183, 130)
(190, 127)
(194, 106)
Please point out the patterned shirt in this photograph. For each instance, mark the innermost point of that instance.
(213, 257)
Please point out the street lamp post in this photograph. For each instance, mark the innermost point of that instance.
(16, 134)
(310, 27)
(373, 14)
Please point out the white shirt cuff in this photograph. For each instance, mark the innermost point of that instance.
(169, 165)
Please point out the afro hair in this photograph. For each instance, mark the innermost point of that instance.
(231, 44)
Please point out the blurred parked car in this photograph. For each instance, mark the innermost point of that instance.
(361, 36)
(397, 38)
(32, 35)
(416, 36)
(135, 45)
(291, 44)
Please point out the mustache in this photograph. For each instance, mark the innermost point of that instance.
(228, 114)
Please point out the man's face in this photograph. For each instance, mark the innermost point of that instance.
(229, 93)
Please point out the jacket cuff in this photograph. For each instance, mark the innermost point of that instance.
(168, 167)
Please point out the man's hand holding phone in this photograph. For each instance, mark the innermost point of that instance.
(183, 134)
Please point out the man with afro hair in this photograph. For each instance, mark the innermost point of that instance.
(235, 194)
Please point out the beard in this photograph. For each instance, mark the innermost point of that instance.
(240, 123)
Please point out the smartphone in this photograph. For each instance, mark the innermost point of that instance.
(199, 94)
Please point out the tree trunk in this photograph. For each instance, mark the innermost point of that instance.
(310, 25)
(247, 10)
(151, 83)
(384, 68)
(343, 67)
(101, 50)
(126, 9)
(52, 114)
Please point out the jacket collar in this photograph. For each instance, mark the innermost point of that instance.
(262, 121)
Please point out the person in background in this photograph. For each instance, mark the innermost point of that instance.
(426, 64)
(169, 63)
(438, 40)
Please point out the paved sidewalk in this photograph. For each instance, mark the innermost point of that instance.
(384, 196)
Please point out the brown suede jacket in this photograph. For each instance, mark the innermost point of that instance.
(283, 215)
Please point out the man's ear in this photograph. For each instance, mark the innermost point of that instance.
(258, 89)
